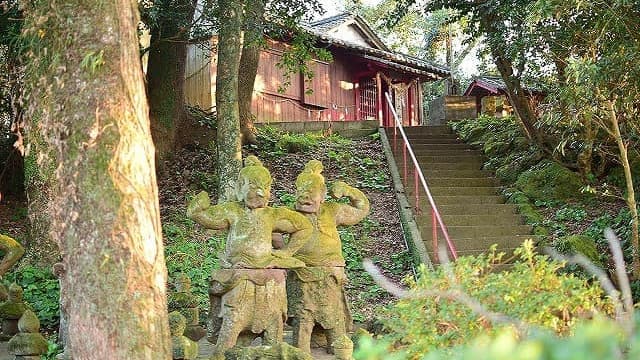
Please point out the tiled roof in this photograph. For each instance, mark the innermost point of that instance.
(404, 62)
(496, 85)
(326, 24)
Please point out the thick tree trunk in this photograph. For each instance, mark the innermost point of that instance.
(84, 68)
(166, 75)
(518, 98)
(253, 28)
(230, 42)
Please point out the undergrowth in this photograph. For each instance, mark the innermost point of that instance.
(434, 317)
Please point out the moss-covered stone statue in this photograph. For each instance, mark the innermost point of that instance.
(183, 301)
(10, 312)
(316, 292)
(11, 251)
(183, 347)
(249, 293)
(29, 343)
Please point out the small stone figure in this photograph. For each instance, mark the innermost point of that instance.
(11, 311)
(13, 251)
(249, 293)
(316, 292)
(186, 303)
(29, 343)
(183, 347)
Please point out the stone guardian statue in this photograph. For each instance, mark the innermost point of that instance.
(248, 294)
(316, 292)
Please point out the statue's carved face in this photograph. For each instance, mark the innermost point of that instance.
(310, 196)
(255, 194)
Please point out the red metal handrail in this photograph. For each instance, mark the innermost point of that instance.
(418, 176)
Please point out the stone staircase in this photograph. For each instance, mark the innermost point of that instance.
(467, 197)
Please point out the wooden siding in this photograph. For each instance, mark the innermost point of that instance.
(197, 86)
(332, 99)
(335, 88)
(316, 92)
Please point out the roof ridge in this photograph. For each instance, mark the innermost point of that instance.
(344, 14)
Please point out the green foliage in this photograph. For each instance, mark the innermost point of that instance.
(206, 181)
(93, 61)
(579, 244)
(274, 142)
(502, 141)
(532, 290)
(192, 253)
(598, 339)
(53, 349)
(287, 199)
(41, 291)
(550, 181)
(297, 143)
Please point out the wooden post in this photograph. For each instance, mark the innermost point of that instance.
(379, 91)
(419, 100)
(356, 86)
(410, 99)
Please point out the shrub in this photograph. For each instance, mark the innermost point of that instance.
(549, 181)
(532, 290)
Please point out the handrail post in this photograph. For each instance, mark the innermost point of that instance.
(434, 210)
(404, 163)
(434, 235)
(416, 188)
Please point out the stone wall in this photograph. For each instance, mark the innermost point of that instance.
(450, 108)
(344, 128)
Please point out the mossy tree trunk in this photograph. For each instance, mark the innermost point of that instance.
(249, 59)
(230, 41)
(166, 72)
(84, 77)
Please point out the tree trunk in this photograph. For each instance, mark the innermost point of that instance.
(253, 28)
(230, 42)
(166, 74)
(631, 195)
(84, 78)
(518, 97)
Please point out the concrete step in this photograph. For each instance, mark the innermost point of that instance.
(431, 130)
(438, 191)
(450, 147)
(462, 182)
(436, 173)
(421, 156)
(441, 153)
(433, 166)
(482, 244)
(477, 209)
(426, 140)
(459, 200)
(477, 232)
(475, 220)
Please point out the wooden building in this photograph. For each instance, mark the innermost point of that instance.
(491, 96)
(349, 88)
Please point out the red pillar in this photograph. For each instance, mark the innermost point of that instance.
(379, 105)
(356, 86)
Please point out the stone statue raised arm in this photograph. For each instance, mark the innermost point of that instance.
(325, 248)
(248, 295)
(316, 292)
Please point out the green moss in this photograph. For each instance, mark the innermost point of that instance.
(27, 344)
(578, 244)
(550, 181)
